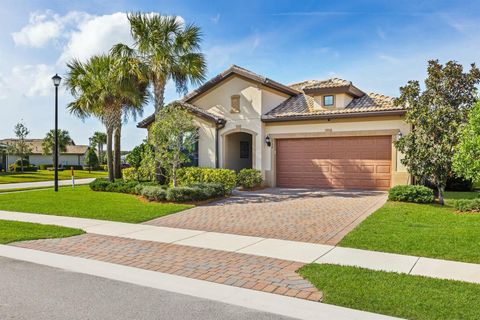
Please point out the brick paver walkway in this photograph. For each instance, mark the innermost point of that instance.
(236, 269)
(318, 216)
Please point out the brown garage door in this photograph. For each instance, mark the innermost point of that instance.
(343, 162)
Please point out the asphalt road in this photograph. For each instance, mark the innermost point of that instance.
(30, 291)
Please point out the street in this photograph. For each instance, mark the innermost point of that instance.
(31, 291)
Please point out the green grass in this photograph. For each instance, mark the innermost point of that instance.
(427, 230)
(400, 295)
(84, 203)
(45, 175)
(11, 231)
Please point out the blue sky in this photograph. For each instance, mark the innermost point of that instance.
(379, 45)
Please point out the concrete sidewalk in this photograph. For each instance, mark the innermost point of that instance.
(265, 247)
(40, 184)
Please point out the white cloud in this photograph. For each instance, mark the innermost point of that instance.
(221, 55)
(215, 19)
(33, 80)
(97, 35)
(46, 26)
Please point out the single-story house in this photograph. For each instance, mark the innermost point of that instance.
(74, 155)
(315, 133)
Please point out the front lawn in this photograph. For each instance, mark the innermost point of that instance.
(84, 203)
(45, 175)
(427, 230)
(400, 295)
(11, 231)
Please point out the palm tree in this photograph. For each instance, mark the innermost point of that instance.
(104, 88)
(169, 49)
(98, 140)
(48, 144)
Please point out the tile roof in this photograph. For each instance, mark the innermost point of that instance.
(188, 106)
(36, 146)
(303, 106)
(328, 83)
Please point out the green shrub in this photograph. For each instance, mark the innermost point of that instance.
(153, 193)
(211, 190)
(192, 175)
(16, 168)
(130, 174)
(139, 186)
(186, 194)
(467, 205)
(411, 193)
(45, 166)
(74, 166)
(116, 186)
(249, 178)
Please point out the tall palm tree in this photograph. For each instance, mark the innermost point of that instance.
(169, 49)
(98, 140)
(48, 143)
(104, 88)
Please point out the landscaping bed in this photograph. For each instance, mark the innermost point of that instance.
(11, 231)
(427, 230)
(400, 295)
(84, 203)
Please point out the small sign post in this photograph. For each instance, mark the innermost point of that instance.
(73, 177)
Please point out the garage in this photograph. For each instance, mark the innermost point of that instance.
(334, 162)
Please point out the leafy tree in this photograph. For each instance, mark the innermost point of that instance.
(466, 161)
(168, 48)
(98, 140)
(437, 115)
(147, 163)
(48, 144)
(134, 158)
(20, 147)
(91, 159)
(108, 88)
(174, 136)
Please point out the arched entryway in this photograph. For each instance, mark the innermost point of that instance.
(238, 151)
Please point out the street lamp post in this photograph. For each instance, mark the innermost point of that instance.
(56, 82)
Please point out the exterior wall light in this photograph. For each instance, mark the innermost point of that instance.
(268, 142)
(399, 135)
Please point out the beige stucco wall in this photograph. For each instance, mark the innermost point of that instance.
(255, 100)
(63, 159)
(206, 143)
(341, 100)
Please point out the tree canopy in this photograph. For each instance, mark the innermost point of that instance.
(437, 115)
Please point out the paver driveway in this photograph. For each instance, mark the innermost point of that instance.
(308, 215)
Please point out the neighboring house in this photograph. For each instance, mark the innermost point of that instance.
(74, 155)
(3, 156)
(316, 133)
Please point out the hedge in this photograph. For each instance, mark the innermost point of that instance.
(116, 186)
(192, 175)
(467, 205)
(411, 193)
(153, 193)
(249, 178)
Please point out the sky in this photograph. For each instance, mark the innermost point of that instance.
(378, 45)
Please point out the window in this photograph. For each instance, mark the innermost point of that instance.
(328, 101)
(235, 103)
(244, 150)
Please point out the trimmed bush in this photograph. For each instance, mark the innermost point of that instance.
(249, 178)
(193, 175)
(211, 190)
(45, 166)
(411, 193)
(139, 186)
(186, 194)
(116, 186)
(16, 168)
(153, 193)
(467, 205)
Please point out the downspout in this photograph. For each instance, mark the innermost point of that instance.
(220, 125)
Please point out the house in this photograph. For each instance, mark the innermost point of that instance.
(74, 155)
(316, 133)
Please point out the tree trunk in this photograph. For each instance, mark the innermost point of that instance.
(159, 93)
(440, 189)
(110, 154)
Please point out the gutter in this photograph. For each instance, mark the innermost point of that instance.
(334, 116)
